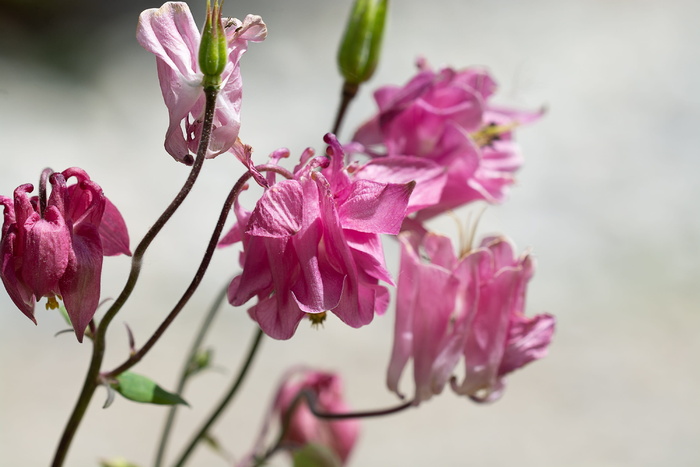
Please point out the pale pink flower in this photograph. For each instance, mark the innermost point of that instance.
(171, 34)
(312, 244)
(469, 307)
(56, 250)
(304, 427)
(446, 117)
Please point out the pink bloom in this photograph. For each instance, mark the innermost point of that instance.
(57, 249)
(304, 427)
(171, 34)
(471, 307)
(445, 117)
(312, 244)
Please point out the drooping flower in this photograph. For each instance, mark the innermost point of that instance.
(469, 307)
(312, 244)
(304, 427)
(171, 34)
(54, 248)
(446, 117)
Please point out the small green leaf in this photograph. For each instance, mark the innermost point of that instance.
(116, 462)
(315, 455)
(138, 388)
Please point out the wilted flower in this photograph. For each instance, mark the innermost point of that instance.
(55, 248)
(472, 307)
(304, 427)
(171, 34)
(312, 244)
(445, 117)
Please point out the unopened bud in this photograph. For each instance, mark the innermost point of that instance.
(359, 51)
(213, 50)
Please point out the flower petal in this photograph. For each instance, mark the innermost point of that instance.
(80, 285)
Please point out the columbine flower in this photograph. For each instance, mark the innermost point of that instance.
(312, 244)
(445, 117)
(171, 34)
(55, 248)
(304, 427)
(470, 307)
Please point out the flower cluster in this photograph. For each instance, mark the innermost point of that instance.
(479, 316)
(312, 245)
(171, 34)
(444, 118)
(54, 248)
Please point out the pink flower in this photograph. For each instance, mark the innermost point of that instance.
(171, 34)
(445, 117)
(55, 248)
(471, 307)
(312, 244)
(304, 427)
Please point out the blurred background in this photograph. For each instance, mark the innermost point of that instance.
(607, 200)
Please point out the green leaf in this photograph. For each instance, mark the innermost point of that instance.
(139, 388)
(315, 455)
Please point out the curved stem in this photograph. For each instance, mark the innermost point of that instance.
(224, 401)
(99, 341)
(348, 94)
(187, 372)
(311, 399)
(199, 275)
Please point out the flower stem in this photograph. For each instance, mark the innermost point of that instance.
(348, 94)
(224, 401)
(311, 398)
(187, 372)
(92, 377)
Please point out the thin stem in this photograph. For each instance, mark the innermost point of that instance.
(199, 275)
(348, 94)
(187, 372)
(224, 401)
(92, 378)
(311, 399)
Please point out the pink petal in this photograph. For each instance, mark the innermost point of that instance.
(20, 294)
(528, 340)
(113, 232)
(278, 213)
(48, 247)
(375, 207)
(430, 177)
(80, 286)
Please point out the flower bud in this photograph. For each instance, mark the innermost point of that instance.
(213, 50)
(359, 51)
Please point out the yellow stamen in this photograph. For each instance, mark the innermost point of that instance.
(316, 319)
(489, 133)
(52, 303)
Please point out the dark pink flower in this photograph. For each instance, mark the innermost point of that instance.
(171, 34)
(312, 244)
(469, 307)
(55, 248)
(445, 117)
(304, 427)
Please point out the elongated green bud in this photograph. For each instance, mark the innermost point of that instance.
(359, 51)
(213, 50)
